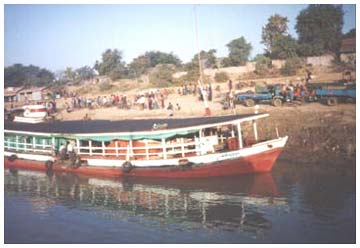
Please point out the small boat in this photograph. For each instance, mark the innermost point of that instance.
(35, 113)
(168, 148)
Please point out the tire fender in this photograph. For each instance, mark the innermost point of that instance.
(49, 165)
(127, 166)
(12, 158)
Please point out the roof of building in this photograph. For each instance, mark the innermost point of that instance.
(12, 91)
(32, 89)
(348, 45)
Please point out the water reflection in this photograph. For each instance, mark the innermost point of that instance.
(235, 203)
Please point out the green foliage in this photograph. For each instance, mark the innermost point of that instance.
(291, 66)
(239, 51)
(284, 47)
(156, 58)
(70, 75)
(111, 64)
(319, 29)
(85, 73)
(279, 44)
(19, 75)
(208, 60)
(350, 34)
(162, 75)
(275, 28)
(221, 77)
(263, 65)
(151, 59)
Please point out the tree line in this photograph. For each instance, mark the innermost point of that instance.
(319, 29)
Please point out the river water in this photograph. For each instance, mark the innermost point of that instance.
(293, 204)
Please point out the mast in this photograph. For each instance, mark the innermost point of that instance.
(200, 82)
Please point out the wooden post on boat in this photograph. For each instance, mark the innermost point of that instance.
(147, 148)
(90, 148)
(52, 146)
(239, 135)
(164, 148)
(34, 143)
(254, 123)
(182, 147)
(116, 148)
(103, 148)
(77, 146)
(255, 130)
(17, 142)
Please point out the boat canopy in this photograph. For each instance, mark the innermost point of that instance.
(136, 129)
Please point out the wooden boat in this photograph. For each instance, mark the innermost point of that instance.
(171, 148)
(35, 113)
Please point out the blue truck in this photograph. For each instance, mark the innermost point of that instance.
(270, 94)
(332, 96)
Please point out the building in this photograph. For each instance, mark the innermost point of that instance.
(33, 94)
(348, 50)
(11, 94)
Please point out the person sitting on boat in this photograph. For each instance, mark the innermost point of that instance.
(62, 152)
(71, 152)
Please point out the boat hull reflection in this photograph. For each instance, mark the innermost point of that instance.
(221, 203)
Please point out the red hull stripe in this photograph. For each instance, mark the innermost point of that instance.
(38, 110)
(262, 162)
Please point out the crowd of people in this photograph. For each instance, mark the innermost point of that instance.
(150, 100)
(192, 89)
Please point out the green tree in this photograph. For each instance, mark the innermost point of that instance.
(208, 60)
(319, 29)
(111, 64)
(284, 47)
(151, 59)
(85, 73)
(139, 66)
(70, 74)
(275, 28)
(19, 75)
(156, 58)
(239, 51)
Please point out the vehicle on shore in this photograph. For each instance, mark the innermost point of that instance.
(172, 148)
(327, 93)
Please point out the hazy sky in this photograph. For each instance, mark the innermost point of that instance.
(60, 36)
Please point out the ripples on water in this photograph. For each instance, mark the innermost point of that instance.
(291, 205)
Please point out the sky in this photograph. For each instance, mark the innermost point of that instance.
(59, 36)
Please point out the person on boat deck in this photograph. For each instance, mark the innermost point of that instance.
(62, 152)
(71, 151)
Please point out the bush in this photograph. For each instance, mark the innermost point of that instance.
(105, 86)
(263, 65)
(291, 66)
(221, 77)
(162, 75)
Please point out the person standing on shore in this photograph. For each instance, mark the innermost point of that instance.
(230, 85)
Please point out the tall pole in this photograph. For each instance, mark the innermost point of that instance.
(200, 82)
(197, 45)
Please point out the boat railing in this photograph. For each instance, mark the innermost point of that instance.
(27, 147)
(151, 151)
